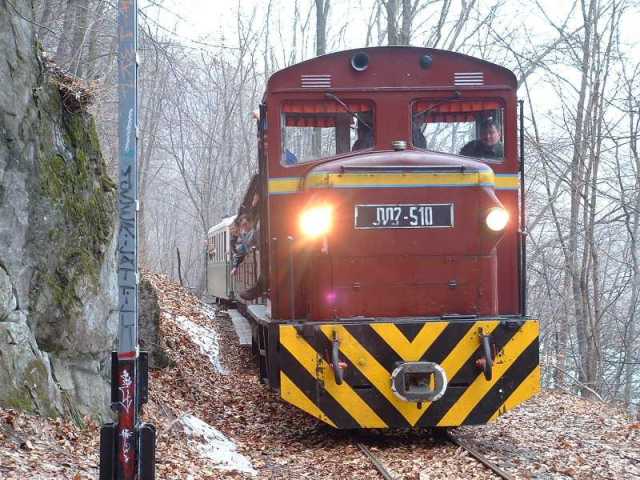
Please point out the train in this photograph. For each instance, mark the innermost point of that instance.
(385, 276)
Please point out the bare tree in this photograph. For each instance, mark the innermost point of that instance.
(322, 15)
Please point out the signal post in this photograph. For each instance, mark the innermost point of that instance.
(127, 448)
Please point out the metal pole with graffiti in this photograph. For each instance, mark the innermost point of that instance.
(127, 448)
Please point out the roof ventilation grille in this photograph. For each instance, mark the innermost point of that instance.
(315, 81)
(464, 79)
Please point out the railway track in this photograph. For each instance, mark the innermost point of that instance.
(379, 465)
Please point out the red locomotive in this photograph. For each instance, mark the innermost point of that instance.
(388, 269)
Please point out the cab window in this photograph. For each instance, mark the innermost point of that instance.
(312, 130)
(468, 128)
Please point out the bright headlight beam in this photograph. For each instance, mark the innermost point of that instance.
(497, 219)
(316, 221)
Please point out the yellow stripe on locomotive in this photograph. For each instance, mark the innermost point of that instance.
(278, 186)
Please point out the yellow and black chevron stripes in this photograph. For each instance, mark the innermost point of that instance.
(480, 388)
(357, 408)
(290, 392)
(284, 185)
(371, 350)
(529, 387)
(408, 350)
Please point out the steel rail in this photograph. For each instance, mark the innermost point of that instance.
(377, 463)
(478, 456)
(455, 441)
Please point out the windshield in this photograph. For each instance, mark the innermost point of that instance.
(469, 128)
(315, 129)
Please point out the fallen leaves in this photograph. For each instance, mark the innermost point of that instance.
(554, 435)
(42, 448)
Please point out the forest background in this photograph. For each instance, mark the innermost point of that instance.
(203, 69)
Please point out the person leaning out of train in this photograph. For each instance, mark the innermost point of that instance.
(244, 241)
(247, 237)
(489, 145)
(236, 259)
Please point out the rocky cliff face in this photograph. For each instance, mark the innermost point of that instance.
(58, 289)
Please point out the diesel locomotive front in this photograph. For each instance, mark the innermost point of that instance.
(391, 267)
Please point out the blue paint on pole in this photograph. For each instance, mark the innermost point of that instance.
(128, 178)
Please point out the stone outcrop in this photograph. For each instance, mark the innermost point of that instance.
(58, 292)
(149, 321)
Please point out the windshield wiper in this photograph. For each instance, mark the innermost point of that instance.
(456, 95)
(334, 97)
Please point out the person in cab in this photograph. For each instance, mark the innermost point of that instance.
(489, 145)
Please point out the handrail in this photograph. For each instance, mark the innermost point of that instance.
(407, 168)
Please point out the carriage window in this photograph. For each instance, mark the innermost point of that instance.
(211, 248)
(224, 246)
(469, 128)
(322, 128)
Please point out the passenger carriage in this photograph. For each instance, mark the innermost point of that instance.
(219, 280)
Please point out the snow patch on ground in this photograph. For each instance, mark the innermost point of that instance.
(205, 338)
(208, 310)
(215, 446)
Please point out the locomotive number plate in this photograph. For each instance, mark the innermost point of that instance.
(404, 216)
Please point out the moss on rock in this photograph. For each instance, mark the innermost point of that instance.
(37, 381)
(85, 195)
(33, 396)
(19, 400)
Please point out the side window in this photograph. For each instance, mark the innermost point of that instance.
(210, 247)
(315, 129)
(224, 246)
(470, 128)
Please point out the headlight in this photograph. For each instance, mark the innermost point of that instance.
(497, 219)
(316, 221)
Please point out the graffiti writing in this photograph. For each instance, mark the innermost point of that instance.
(126, 390)
(126, 445)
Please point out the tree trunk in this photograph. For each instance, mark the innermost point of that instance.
(91, 70)
(577, 183)
(79, 36)
(44, 20)
(391, 6)
(179, 266)
(408, 11)
(632, 223)
(322, 13)
(62, 51)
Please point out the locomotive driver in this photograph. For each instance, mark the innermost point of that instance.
(489, 144)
